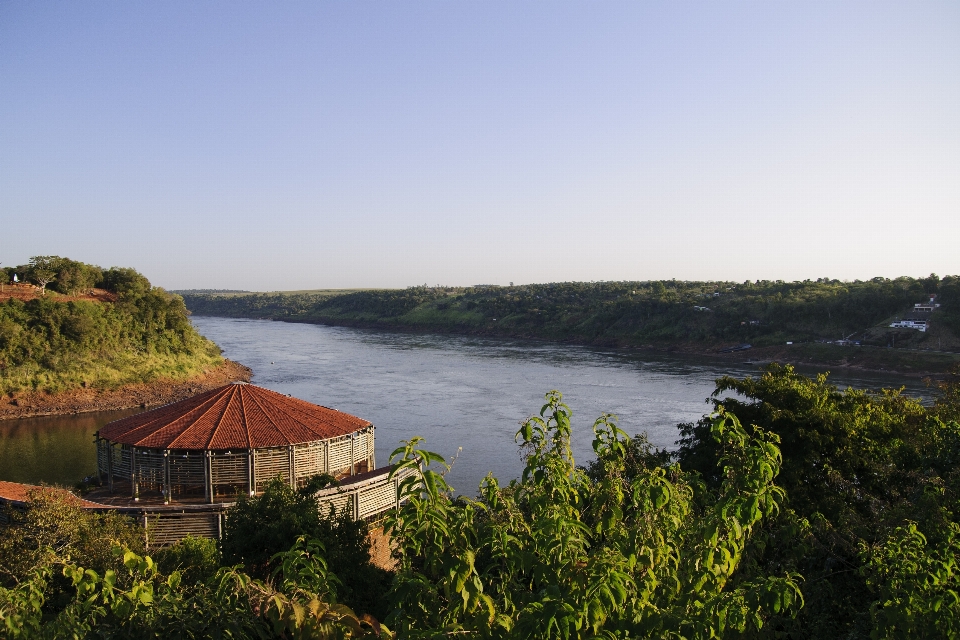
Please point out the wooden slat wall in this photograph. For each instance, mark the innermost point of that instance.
(103, 450)
(121, 460)
(360, 450)
(377, 498)
(164, 529)
(150, 468)
(309, 460)
(270, 463)
(340, 502)
(230, 468)
(339, 455)
(231, 475)
(187, 473)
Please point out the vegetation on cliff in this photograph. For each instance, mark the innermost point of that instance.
(134, 332)
(708, 314)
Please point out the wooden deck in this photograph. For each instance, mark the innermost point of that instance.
(367, 496)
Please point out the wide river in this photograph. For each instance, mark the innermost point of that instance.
(462, 394)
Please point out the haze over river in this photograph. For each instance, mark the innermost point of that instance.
(455, 391)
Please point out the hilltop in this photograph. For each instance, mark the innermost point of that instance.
(76, 337)
(813, 321)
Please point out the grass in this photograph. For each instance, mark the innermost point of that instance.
(107, 371)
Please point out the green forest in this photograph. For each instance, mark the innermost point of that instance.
(63, 337)
(793, 510)
(667, 314)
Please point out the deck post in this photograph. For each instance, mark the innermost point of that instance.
(96, 441)
(208, 476)
(251, 474)
(110, 465)
(133, 475)
(292, 463)
(396, 491)
(167, 490)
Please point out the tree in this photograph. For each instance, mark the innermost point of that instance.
(42, 270)
(557, 554)
(858, 467)
(259, 527)
(75, 278)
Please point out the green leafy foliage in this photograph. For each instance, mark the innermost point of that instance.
(260, 527)
(858, 466)
(70, 574)
(833, 516)
(54, 345)
(762, 313)
(55, 524)
(917, 583)
(197, 559)
(558, 555)
(138, 601)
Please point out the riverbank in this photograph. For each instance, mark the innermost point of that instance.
(797, 323)
(910, 363)
(84, 400)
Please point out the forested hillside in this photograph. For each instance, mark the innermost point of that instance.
(706, 314)
(63, 337)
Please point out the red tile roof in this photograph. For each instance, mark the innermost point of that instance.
(235, 416)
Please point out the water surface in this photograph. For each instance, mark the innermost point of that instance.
(56, 449)
(472, 393)
(457, 392)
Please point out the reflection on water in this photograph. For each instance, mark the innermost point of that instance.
(56, 449)
(456, 391)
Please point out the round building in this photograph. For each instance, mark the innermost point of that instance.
(230, 441)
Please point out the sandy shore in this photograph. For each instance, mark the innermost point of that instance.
(156, 393)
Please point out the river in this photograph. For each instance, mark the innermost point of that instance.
(465, 395)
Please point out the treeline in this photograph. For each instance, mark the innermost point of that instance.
(818, 513)
(621, 313)
(49, 344)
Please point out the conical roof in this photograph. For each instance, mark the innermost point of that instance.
(235, 416)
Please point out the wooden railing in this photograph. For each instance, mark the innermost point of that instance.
(365, 496)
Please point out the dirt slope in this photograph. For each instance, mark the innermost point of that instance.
(156, 393)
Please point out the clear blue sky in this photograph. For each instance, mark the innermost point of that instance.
(282, 145)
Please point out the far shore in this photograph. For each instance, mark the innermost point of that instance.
(910, 363)
(149, 394)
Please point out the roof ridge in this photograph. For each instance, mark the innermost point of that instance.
(193, 422)
(160, 413)
(246, 427)
(273, 422)
(278, 408)
(216, 426)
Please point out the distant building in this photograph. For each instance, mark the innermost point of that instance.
(911, 323)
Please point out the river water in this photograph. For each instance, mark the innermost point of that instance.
(463, 394)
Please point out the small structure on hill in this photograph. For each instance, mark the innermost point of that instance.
(230, 441)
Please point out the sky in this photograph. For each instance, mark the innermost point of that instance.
(286, 145)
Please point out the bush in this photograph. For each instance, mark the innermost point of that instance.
(259, 527)
(197, 559)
